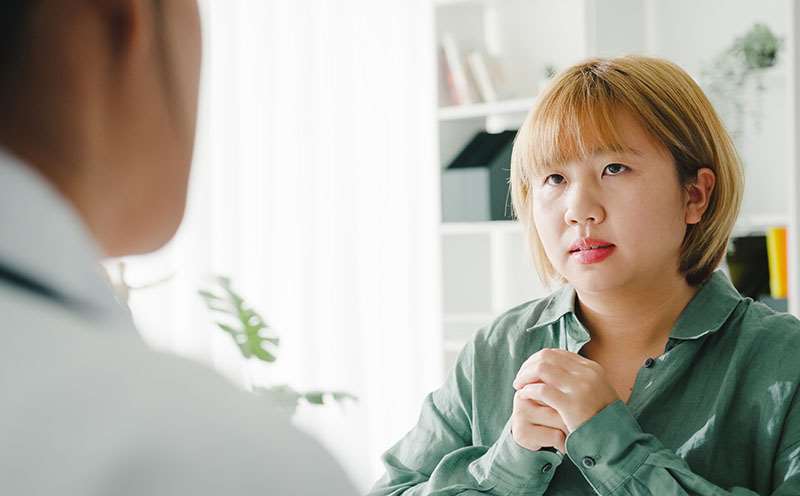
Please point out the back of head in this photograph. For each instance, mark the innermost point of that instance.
(14, 24)
(101, 99)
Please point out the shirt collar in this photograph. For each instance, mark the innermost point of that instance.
(560, 303)
(709, 309)
(43, 239)
(706, 312)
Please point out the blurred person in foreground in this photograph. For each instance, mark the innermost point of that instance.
(99, 102)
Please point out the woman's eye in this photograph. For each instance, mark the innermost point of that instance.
(615, 169)
(554, 179)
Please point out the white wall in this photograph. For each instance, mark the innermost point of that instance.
(691, 33)
(536, 33)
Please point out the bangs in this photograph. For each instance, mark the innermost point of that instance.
(572, 122)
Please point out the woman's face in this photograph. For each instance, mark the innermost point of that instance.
(613, 220)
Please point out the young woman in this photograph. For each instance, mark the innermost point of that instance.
(646, 372)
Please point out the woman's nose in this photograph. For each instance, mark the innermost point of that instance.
(583, 208)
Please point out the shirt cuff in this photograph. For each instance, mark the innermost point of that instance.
(608, 448)
(512, 469)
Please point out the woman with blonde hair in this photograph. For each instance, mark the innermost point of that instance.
(645, 372)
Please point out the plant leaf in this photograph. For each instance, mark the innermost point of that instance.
(342, 396)
(252, 335)
(315, 397)
(230, 330)
(208, 295)
(283, 396)
(263, 354)
(318, 397)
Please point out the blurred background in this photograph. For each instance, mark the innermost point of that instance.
(350, 186)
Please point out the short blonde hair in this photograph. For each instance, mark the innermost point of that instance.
(575, 115)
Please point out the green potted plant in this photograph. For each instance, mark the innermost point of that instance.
(735, 77)
(256, 340)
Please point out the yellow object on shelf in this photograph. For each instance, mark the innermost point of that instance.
(776, 255)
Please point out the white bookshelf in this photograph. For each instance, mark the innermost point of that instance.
(744, 226)
(486, 267)
(486, 110)
(445, 3)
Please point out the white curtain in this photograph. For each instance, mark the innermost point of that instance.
(315, 189)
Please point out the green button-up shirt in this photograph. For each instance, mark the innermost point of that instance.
(717, 413)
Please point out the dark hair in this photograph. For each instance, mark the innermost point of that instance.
(15, 18)
(15, 26)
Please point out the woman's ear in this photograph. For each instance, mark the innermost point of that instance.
(698, 194)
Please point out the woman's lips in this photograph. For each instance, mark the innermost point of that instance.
(593, 255)
(591, 250)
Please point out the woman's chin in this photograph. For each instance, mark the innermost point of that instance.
(596, 280)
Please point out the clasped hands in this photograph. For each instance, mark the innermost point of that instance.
(557, 391)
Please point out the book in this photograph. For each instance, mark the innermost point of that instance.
(482, 76)
(457, 81)
(776, 256)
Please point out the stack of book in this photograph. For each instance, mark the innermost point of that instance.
(469, 79)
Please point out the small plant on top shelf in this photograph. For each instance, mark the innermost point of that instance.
(735, 78)
(548, 73)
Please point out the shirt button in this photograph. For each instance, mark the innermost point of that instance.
(649, 363)
(547, 467)
(588, 461)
